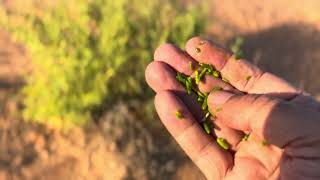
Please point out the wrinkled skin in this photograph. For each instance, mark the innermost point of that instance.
(252, 101)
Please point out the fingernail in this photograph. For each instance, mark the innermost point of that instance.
(218, 98)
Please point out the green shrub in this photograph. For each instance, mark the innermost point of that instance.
(85, 53)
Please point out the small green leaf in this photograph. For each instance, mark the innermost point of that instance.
(181, 78)
(223, 143)
(178, 114)
(197, 77)
(189, 85)
(216, 74)
(203, 72)
(209, 68)
(207, 127)
(201, 94)
(205, 103)
(200, 99)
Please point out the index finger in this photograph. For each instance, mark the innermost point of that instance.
(240, 73)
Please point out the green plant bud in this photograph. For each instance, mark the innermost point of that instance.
(223, 143)
(178, 114)
(216, 74)
(207, 126)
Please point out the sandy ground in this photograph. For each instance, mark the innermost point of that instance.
(281, 36)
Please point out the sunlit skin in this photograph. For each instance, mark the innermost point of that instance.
(264, 105)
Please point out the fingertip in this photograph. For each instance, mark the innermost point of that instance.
(175, 57)
(208, 52)
(160, 76)
(152, 75)
(147, 73)
(191, 43)
(161, 53)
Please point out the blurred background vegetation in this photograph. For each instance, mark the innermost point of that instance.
(73, 100)
(87, 54)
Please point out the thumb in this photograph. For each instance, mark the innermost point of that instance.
(274, 120)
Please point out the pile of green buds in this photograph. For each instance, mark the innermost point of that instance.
(190, 83)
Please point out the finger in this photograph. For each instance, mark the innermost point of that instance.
(161, 77)
(176, 58)
(183, 63)
(272, 119)
(240, 73)
(212, 54)
(232, 136)
(201, 148)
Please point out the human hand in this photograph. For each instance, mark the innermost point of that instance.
(253, 101)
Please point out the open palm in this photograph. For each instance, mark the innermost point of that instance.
(252, 101)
